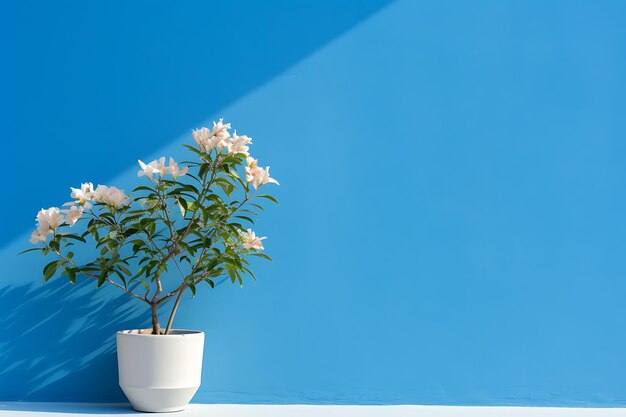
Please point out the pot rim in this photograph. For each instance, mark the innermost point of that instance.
(173, 333)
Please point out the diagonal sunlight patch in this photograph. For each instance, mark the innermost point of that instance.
(139, 85)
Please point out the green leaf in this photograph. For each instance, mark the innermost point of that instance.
(250, 272)
(119, 274)
(191, 188)
(232, 275)
(227, 188)
(130, 218)
(194, 150)
(261, 255)
(194, 177)
(29, 250)
(216, 272)
(183, 206)
(232, 263)
(102, 279)
(146, 286)
(214, 197)
(193, 289)
(124, 269)
(204, 168)
(71, 274)
(245, 218)
(143, 188)
(50, 269)
(234, 159)
(269, 197)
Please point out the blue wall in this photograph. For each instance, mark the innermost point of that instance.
(451, 228)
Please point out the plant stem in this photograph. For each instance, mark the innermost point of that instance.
(169, 322)
(156, 328)
(87, 274)
(195, 267)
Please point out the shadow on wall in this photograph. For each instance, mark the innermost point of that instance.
(56, 336)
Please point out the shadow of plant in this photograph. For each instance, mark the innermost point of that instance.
(58, 341)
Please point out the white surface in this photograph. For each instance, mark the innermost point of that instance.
(160, 373)
(232, 410)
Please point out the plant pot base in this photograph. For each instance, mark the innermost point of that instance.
(159, 400)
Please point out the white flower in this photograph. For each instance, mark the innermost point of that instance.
(257, 175)
(220, 128)
(204, 138)
(111, 196)
(175, 171)
(216, 137)
(116, 197)
(201, 136)
(159, 166)
(238, 144)
(154, 167)
(39, 235)
(72, 215)
(49, 219)
(146, 170)
(99, 193)
(82, 195)
(251, 241)
(266, 177)
(220, 137)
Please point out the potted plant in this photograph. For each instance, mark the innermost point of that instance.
(191, 222)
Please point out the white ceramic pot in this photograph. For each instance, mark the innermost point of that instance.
(161, 373)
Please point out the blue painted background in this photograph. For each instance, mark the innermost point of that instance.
(451, 228)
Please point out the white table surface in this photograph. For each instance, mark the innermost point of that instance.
(23, 409)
